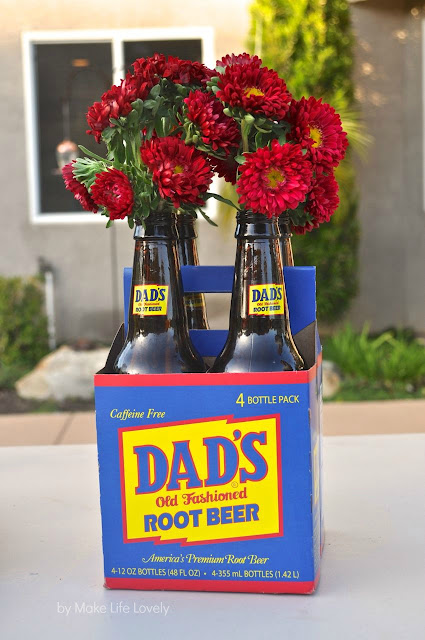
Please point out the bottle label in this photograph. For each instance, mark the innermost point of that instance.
(150, 300)
(266, 300)
(201, 481)
(194, 300)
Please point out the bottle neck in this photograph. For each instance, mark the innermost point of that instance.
(258, 300)
(188, 255)
(285, 240)
(154, 305)
(187, 249)
(160, 224)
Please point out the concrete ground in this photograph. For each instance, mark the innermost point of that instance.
(347, 418)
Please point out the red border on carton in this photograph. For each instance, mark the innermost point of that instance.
(183, 541)
(202, 379)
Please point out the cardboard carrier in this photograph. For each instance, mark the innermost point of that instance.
(211, 482)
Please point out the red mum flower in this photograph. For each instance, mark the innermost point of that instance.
(225, 168)
(273, 180)
(150, 68)
(317, 127)
(174, 69)
(181, 172)
(112, 189)
(255, 89)
(242, 58)
(186, 71)
(115, 103)
(78, 189)
(322, 202)
(216, 129)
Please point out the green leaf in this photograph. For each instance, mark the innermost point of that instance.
(85, 170)
(155, 91)
(138, 105)
(159, 126)
(133, 118)
(282, 138)
(149, 130)
(207, 218)
(130, 222)
(259, 140)
(240, 159)
(109, 223)
(180, 89)
(91, 154)
(108, 134)
(119, 151)
(149, 104)
(261, 129)
(217, 196)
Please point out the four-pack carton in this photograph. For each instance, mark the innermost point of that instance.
(211, 482)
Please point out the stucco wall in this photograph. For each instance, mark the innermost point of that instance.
(389, 88)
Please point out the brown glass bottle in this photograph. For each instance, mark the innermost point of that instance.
(158, 338)
(259, 337)
(187, 250)
(285, 240)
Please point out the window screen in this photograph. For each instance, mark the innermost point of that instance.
(69, 78)
(185, 49)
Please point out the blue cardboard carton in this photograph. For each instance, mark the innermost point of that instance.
(211, 482)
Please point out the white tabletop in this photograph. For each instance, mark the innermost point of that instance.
(373, 576)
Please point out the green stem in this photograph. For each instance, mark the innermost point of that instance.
(244, 133)
(136, 142)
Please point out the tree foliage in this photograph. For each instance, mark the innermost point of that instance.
(310, 44)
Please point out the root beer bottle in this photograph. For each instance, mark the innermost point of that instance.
(158, 338)
(285, 240)
(194, 303)
(259, 337)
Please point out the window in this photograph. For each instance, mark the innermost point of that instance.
(64, 73)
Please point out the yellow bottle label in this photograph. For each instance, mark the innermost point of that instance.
(266, 300)
(194, 300)
(204, 480)
(150, 300)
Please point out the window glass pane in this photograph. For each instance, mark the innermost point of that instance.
(185, 49)
(69, 78)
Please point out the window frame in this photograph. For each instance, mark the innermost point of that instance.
(116, 37)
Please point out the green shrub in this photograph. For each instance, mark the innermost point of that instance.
(389, 360)
(310, 44)
(333, 250)
(23, 327)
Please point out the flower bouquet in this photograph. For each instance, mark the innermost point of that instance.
(172, 124)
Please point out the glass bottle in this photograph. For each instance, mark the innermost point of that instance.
(285, 240)
(157, 338)
(194, 303)
(260, 336)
